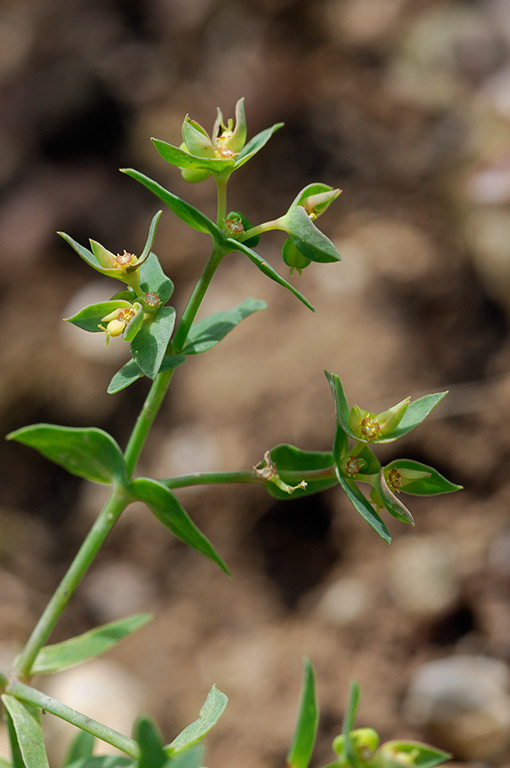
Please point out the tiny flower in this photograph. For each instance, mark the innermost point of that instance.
(121, 266)
(398, 477)
(226, 140)
(352, 465)
(118, 320)
(370, 426)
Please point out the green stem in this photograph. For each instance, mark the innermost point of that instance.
(48, 704)
(195, 300)
(267, 226)
(146, 418)
(244, 476)
(221, 184)
(86, 554)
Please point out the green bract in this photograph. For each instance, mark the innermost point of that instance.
(201, 155)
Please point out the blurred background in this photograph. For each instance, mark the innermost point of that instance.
(405, 105)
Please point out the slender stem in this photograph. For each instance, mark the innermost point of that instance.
(146, 418)
(258, 230)
(49, 704)
(86, 554)
(245, 476)
(195, 300)
(221, 184)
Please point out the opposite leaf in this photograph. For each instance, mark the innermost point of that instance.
(154, 280)
(168, 510)
(150, 344)
(419, 479)
(68, 653)
(149, 740)
(90, 453)
(130, 372)
(188, 213)
(28, 732)
(211, 711)
(268, 270)
(303, 741)
(206, 333)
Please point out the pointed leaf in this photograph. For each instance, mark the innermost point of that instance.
(150, 742)
(316, 188)
(309, 241)
(68, 653)
(88, 452)
(85, 254)
(391, 503)
(81, 748)
(255, 144)
(416, 412)
(206, 333)
(363, 507)
(303, 741)
(149, 346)
(28, 732)
(211, 711)
(342, 410)
(168, 510)
(130, 372)
(268, 270)
(152, 278)
(188, 213)
(423, 486)
(150, 237)
(183, 159)
(89, 318)
(349, 720)
(288, 458)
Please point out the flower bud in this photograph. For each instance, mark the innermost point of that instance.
(364, 742)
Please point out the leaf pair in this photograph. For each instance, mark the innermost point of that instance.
(94, 455)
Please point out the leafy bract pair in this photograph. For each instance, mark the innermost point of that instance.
(347, 464)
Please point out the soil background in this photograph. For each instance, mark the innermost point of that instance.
(405, 105)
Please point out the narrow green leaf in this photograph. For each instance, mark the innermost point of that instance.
(303, 741)
(28, 732)
(416, 412)
(391, 503)
(342, 410)
(85, 254)
(186, 212)
(268, 270)
(150, 343)
(150, 237)
(183, 159)
(130, 372)
(309, 241)
(68, 653)
(349, 720)
(434, 484)
(255, 144)
(288, 458)
(87, 452)
(17, 757)
(206, 333)
(211, 711)
(363, 507)
(82, 747)
(168, 510)
(150, 741)
(152, 278)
